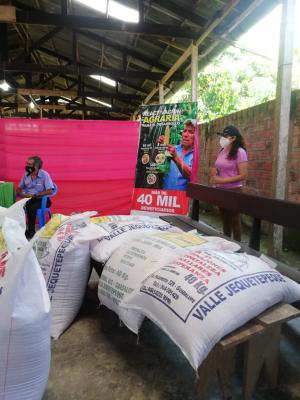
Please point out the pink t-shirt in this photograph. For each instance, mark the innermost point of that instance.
(228, 168)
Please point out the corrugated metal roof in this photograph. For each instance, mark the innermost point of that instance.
(127, 56)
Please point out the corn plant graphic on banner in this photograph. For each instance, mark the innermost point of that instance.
(167, 158)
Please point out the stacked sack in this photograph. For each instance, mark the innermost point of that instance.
(119, 229)
(62, 248)
(134, 261)
(24, 313)
(198, 298)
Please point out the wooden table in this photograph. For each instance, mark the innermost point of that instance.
(260, 339)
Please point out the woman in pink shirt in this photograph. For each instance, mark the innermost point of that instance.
(231, 170)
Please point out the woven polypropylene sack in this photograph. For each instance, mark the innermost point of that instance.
(132, 262)
(25, 318)
(201, 297)
(63, 251)
(117, 233)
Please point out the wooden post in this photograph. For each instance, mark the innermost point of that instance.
(194, 72)
(161, 93)
(282, 113)
(254, 241)
(84, 109)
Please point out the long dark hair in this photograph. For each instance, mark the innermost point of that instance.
(236, 144)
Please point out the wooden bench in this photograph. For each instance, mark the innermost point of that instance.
(260, 338)
(278, 212)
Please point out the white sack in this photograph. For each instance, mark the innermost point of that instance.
(15, 212)
(203, 296)
(25, 318)
(62, 248)
(118, 218)
(114, 234)
(132, 262)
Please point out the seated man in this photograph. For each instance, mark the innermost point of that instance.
(35, 184)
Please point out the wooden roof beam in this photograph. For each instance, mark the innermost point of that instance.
(128, 51)
(7, 14)
(233, 26)
(76, 69)
(65, 107)
(67, 59)
(34, 46)
(132, 100)
(227, 9)
(71, 93)
(105, 94)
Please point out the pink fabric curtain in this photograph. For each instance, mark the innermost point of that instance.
(194, 174)
(92, 162)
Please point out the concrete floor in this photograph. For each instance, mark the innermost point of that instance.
(97, 359)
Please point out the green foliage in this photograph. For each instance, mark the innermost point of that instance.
(234, 81)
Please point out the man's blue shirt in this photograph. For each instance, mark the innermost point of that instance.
(39, 184)
(174, 180)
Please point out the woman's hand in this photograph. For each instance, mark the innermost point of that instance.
(216, 179)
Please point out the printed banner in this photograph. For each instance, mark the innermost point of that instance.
(166, 160)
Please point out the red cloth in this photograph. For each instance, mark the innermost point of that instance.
(92, 162)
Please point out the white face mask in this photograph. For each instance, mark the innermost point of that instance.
(224, 142)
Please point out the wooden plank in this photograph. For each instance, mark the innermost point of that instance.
(8, 14)
(272, 356)
(46, 92)
(254, 241)
(206, 372)
(52, 106)
(273, 210)
(76, 69)
(261, 351)
(242, 334)
(220, 362)
(226, 370)
(278, 315)
(27, 105)
(173, 220)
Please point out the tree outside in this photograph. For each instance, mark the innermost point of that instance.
(234, 81)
